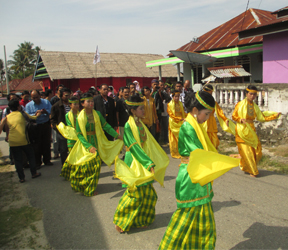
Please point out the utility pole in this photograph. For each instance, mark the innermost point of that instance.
(6, 72)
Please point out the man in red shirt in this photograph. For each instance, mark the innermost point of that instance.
(25, 98)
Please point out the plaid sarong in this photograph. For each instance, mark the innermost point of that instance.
(85, 177)
(136, 209)
(66, 170)
(191, 228)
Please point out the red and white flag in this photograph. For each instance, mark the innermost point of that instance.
(96, 56)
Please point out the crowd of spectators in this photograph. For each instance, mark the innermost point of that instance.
(48, 110)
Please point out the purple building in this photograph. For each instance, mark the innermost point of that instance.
(275, 46)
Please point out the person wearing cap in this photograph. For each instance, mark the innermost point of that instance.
(132, 88)
(154, 87)
(161, 97)
(248, 143)
(211, 126)
(145, 161)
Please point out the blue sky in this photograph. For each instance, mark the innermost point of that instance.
(127, 26)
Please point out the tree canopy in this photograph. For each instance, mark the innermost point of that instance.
(23, 60)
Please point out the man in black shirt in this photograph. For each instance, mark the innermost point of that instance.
(106, 106)
(122, 113)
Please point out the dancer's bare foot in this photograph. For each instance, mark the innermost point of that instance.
(95, 193)
(119, 230)
(252, 175)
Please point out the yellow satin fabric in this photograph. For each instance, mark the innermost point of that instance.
(150, 112)
(214, 139)
(246, 131)
(67, 132)
(211, 126)
(71, 117)
(175, 124)
(136, 174)
(107, 150)
(206, 165)
(249, 157)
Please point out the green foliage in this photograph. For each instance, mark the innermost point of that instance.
(23, 60)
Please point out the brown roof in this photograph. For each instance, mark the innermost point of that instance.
(69, 65)
(18, 85)
(27, 84)
(225, 36)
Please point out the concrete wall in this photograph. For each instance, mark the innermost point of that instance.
(275, 58)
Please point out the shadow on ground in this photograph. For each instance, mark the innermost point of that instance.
(264, 237)
(217, 205)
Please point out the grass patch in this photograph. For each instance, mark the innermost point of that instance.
(281, 150)
(272, 165)
(15, 220)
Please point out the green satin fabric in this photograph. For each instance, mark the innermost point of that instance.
(90, 127)
(136, 150)
(190, 194)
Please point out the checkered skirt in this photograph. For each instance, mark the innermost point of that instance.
(136, 209)
(191, 228)
(84, 178)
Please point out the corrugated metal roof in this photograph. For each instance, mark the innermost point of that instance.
(225, 36)
(228, 71)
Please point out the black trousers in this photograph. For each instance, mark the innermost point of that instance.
(157, 134)
(43, 143)
(63, 149)
(17, 153)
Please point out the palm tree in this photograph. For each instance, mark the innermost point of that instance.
(23, 60)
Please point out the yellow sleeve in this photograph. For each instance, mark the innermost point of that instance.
(220, 112)
(235, 115)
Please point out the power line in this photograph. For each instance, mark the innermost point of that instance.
(259, 4)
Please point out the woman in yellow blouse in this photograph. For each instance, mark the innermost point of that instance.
(211, 125)
(248, 143)
(18, 140)
(150, 119)
(177, 115)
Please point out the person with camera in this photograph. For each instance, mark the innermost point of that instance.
(43, 139)
(161, 97)
(18, 143)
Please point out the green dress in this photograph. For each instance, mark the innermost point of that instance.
(192, 225)
(84, 178)
(136, 209)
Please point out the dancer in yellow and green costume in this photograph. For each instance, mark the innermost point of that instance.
(211, 126)
(145, 161)
(91, 147)
(192, 225)
(177, 115)
(248, 143)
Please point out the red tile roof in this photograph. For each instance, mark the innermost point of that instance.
(225, 36)
(27, 84)
(18, 85)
